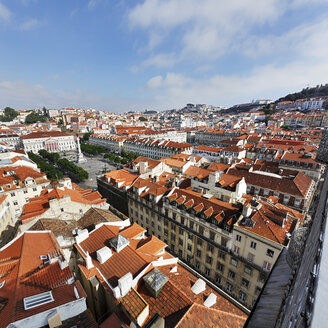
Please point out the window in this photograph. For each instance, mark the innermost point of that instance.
(210, 247)
(232, 274)
(218, 279)
(229, 287)
(12, 194)
(236, 250)
(233, 262)
(253, 244)
(182, 221)
(180, 253)
(242, 296)
(190, 235)
(245, 283)
(238, 238)
(224, 242)
(34, 189)
(212, 235)
(180, 241)
(270, 252)
(250, 257)
(37, 300)
(191, 225)
(199, 241)
(166, 232)
(198, 253)
(25, 192)
(172, 237)
(159, 228)
(174, 216)
(266, 266)
(180, 231)
(208, 259)
(15, 203)
(207, 272)
(262, 277)
(201, 230)
(257, 290)
(189, 247)
(222, 255)
(188, 258)
(197, 265)
(166, 223)
(152, 224)
(220, 267)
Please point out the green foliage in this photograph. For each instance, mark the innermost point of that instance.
(123, 159)
(110, 156)
(92, 149)
(35, 117)
(142, 119)
(52, 157)
(86, 136)
(9, 114)
(77, 171)
(51, 172)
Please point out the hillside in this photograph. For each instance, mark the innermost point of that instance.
(318, 91)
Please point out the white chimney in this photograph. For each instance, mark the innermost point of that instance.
(77, 296)
(103, 254)
(88, 261)
(198, 287)
(82, 235)
(210, 301)
(247, 211)
(125, 283)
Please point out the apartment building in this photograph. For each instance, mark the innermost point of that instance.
(61, 203)
(126, 273)
(111, 142)
(302, 162)
(19, 184)
(207, 233)
(156, 148)
(295, 191)
(12, 140)
(211, 136)
(52, 141)
(37, 287)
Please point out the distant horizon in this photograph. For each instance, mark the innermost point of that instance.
(158, 54)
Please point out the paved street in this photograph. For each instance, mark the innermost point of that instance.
(94, 165)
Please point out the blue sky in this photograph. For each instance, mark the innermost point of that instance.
(121, 55)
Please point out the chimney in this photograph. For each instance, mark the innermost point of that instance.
(247, 211)
(88, 261)
(125, 283)
(103, 254)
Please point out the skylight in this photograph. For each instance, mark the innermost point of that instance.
(37, 300)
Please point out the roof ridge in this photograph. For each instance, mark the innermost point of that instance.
(263, 218)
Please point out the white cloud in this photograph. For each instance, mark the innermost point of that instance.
(92, 4)
(155, 82)
(211, 28)
(306, 40)
(263, 82)
(29, 24)
(5, 13)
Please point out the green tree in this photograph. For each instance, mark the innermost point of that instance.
(86, 136)
(35, 117)
(8, 114)
(142, 119)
